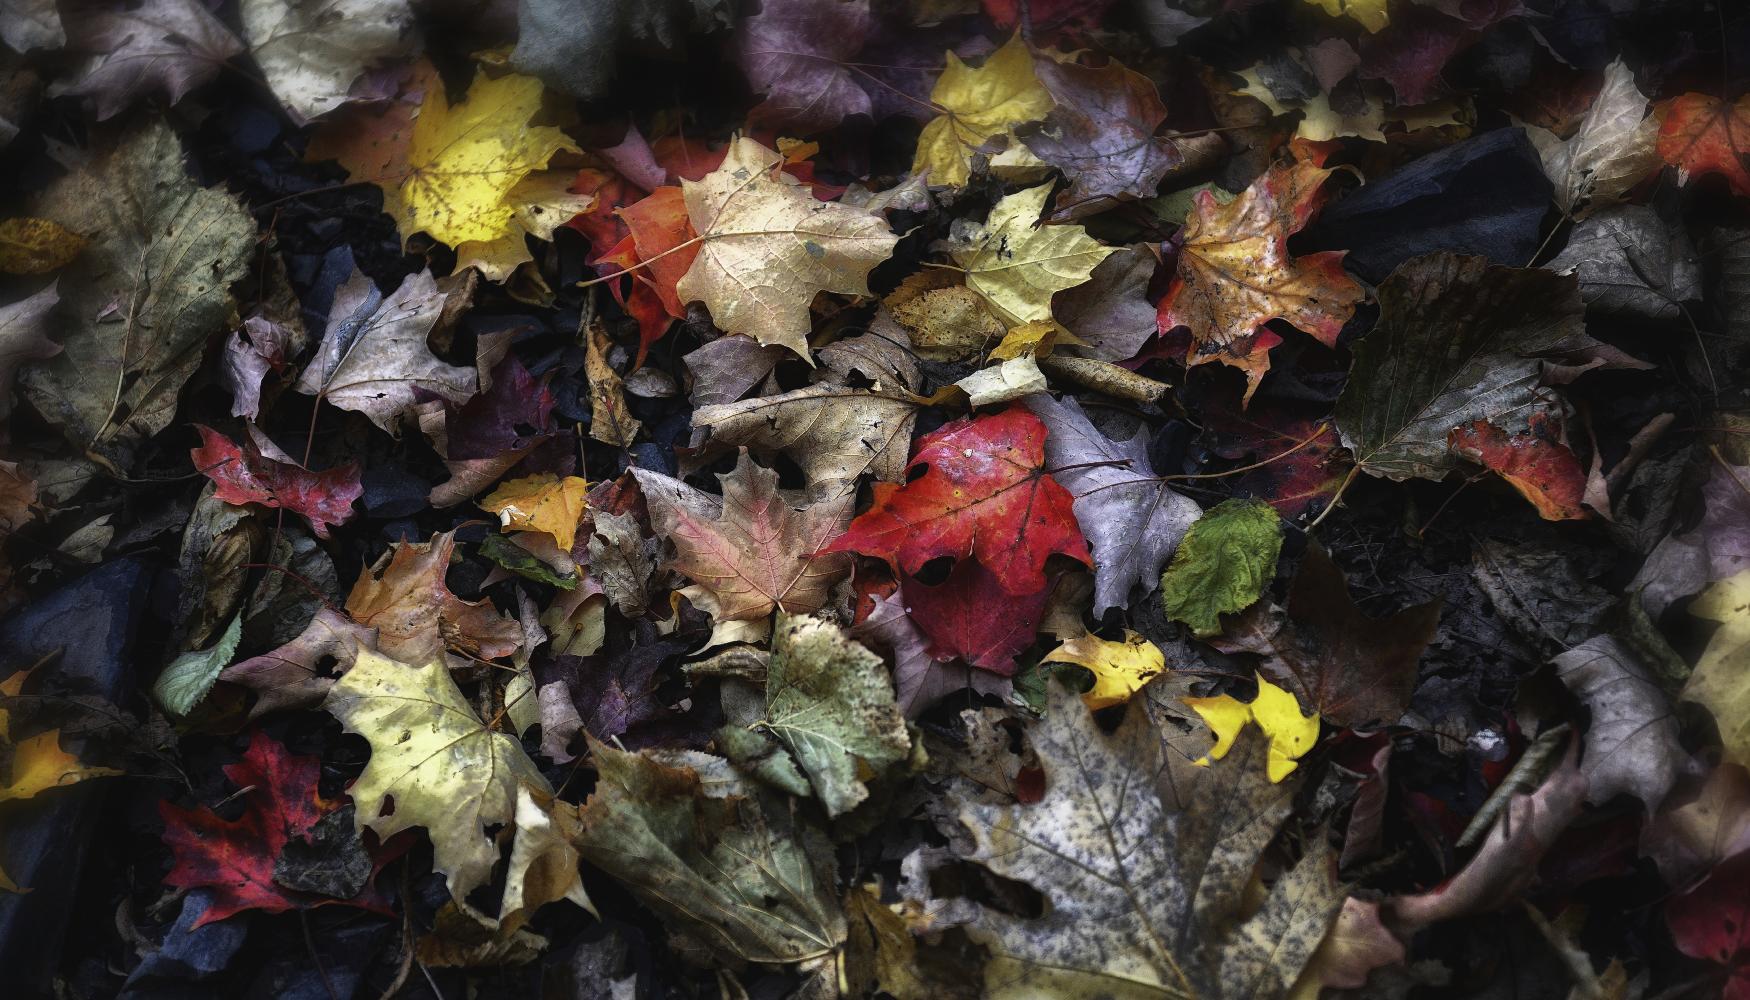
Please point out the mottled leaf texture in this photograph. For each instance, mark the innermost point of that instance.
(1225, 561)
(1611, 152)
(1631, 263)
(1143, 900)
(140, 302)
(981, 490)
(433, 764)
(830, 702)
(731, 872)
(1349, 667)
(835, 434)
(1456, 341)
(164, 48)
(768, 246)
(311, 51)
(756, 547)
(1101, 135)
(795, 53)
(1632, 743)
(1132, 520)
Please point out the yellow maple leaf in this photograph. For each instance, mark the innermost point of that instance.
(978, 105)
(39, 764)
(1120, 669)
(1017, 264)
(767, 246)
(1721, 678)
(1370, 14)
(1275, 711)
(541, 502)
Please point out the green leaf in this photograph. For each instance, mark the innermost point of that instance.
(1456, 341)
(190, 676)
(522, 562)
(138, 305)
(830, 702)
(1224, 563)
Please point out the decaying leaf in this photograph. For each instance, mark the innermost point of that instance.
(1721, 680)
(290, 677)
(1612, 151)
(545, 503)
(168, 47)
(405, 599)
(36, 246)
(1632, 741)
(312, 52)
(835, 434)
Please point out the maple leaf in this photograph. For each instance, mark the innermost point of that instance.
(659, 830)
(39, 764)
(919, 678)
(1110, 314)
(1132, 519)
(542, 502)
(979, 106)
(768, 246)
(37, 246)
(443, 768)
(1291, 733)
(405, 599)
(1612, 151)
(835, 434)
(1352, 668)
(981, 490)
(1120, 669)
(970, 617)
(288, 677)
(663, 237)
(139, 303)
(611, 694)
(1632, 742)
(1235, 272)
(1101, 135)
(796, 53)
(1370, 14)
(21, 338)
(373, 358)
(168, 47)
(1141, 894)
(1016, 264)
(1225, 561)
(1455, 342)
(1538, 463)
(311, 53)
(1701, 134)
(235, 859)
(1718, 680)
(244, 475)
(755, 548)
(1712, 922)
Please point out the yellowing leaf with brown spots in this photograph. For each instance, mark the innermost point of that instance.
(544, 503)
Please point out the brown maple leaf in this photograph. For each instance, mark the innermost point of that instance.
(405, 599)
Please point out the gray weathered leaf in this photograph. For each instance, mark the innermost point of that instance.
(22, 340)
(142, 299)
(574, 45)
(1630, 262)
(31, 24)
(726, 368)
(1632, 744)
(311, 51)
(166, 47)
(1540, 592)
(1456, 341)
(1111, 314)
(1611, 152)
(1133, 520)
(1717, 548)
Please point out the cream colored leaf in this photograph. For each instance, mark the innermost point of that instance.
(311, 51)
(768, 246)
(1614, 149)
(834, 434)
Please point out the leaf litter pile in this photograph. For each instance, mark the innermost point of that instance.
(850, 498)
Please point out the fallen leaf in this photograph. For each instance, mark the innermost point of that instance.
(919, 678)
(1373, 15)
(311, 53)
(374, 358)
(1111, 314)
(242, 474)
(1721, 678)
(139, 302)
(1101, 835)
(1537, 462)
(168, 48)
(405, 599)
(611, 422)
(1701, 134)
(1455, 342)
(768, 246)
(1716, 549)
(983, 491)
(946, 320)
(430, 754)
(545, 503)
(730, 874)
(576, 45)
(36, 246)
(39, 764)
(1632, 745)
(1235, 272)
(971, 617)
(1277, 714)
(1101, 135)
(1223, 564)
(1357, 944)
(1686, 839)
(22, 339)
(1712, 922)
(830, 702)
(289, 677)
(979, 108)
(32, 24)
(1353, 669)
(1630, 262)
(1120, 669)
(1611, 152)
(1017, 264)
(756, 547)
(835, 434)
(188, 678)
(796, 53)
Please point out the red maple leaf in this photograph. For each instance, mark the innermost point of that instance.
(1705, 135)
(969, 617)
(1538, 463)
(659, 225)
(236, 858)
(1712, 922)
(244, 475)
(979, 488)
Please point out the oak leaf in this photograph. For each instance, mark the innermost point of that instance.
(542, 502)
(756, 547)
(1017, 264)
(768, 246)
(242, 474)
(980, 107)
(982, 490)
(445, 770)
(405, 599)
(1701, 134)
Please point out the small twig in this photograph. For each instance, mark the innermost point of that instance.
(1638, 448)
(315, 959)
(1105, 377)
(1342, 487)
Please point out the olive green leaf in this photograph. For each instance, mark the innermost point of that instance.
(1224, 563)
(190, 676)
